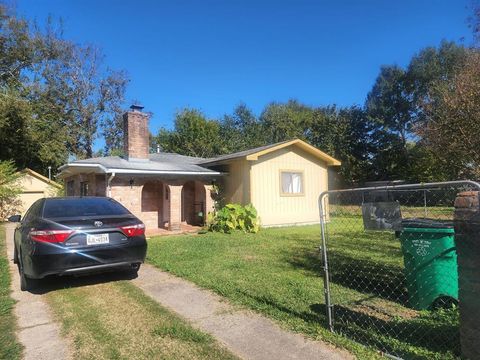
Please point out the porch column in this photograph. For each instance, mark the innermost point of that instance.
(209, 203)
(175, 209)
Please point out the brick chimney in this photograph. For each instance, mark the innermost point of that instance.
(136, 135)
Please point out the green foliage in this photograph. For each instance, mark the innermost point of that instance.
(193, 135)
(242, 130)
(277, 272)
(10, 348)
(397, 106)
(234, 217)
(9, 189)
(49, 85)
(286, 121)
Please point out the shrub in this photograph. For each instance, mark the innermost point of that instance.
(234, 217)
(9, 189)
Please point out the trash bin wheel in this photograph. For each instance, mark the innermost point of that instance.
(444, 302)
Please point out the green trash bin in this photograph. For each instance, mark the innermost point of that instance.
(430, 259)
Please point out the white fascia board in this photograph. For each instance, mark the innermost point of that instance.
(101, 167)
(163, 172)
(134, 171)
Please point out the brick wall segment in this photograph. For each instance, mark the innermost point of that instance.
(136, 135)
(467, 239)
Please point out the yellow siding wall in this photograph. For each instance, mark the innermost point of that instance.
(275, 209)
(237, 182)
(34, 189)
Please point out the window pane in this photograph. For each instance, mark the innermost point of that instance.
(297, 183)
(286, 182)
(292, 182)
(82, 207)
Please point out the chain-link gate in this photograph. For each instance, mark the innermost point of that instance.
(390, 267)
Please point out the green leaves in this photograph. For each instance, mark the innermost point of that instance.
(234, 217)
(193, 135)
(56, 96)
(9, 189)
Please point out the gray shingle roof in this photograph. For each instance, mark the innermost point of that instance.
(175, 163)
(164, 162)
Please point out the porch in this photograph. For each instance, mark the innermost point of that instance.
(164, 205)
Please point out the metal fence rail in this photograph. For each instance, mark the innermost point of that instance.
(390, 269)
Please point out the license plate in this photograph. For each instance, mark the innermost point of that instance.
(97, 239)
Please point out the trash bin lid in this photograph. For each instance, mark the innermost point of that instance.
(426, 224)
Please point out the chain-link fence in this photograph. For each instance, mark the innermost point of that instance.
(390, 263)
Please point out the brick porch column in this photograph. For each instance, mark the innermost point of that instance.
(467, 239)
(209, 203)
(175, 209)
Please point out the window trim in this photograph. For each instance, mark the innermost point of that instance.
(84, 188)
(301, 172)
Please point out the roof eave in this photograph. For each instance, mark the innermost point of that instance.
(106, 170)
(331, 161)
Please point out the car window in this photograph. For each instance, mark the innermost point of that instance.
(77, 207)
(33, 211)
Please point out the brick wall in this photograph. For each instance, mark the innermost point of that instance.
(467, 239)
(136, 135)
(157, 203)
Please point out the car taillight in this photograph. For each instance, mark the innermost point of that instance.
(133, 230)
(52, 236)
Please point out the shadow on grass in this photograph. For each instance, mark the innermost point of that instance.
(53, 283)
(364, 276)
(432, 331)
(312, 317)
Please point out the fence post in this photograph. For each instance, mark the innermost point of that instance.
(326, 273)
(467, 238)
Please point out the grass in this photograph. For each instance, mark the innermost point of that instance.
(116, 320)
(10, 348)
(278, 273)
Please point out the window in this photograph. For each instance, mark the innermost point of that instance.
(77, 207)
(70, 188)
(33, 212)
(291, 183)
(84, 188)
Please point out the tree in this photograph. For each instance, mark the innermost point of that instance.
(241, 130)
(345, 134)
(90, 97)
(9, 189)
(49, 85)
(389, 102)
(193, 135)
(397, 105)
(285, 121)
(429, 67)
(452, 125)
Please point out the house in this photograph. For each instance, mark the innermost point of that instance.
(172, 191)
(35, 186)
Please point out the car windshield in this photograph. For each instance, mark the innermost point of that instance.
(78, 207)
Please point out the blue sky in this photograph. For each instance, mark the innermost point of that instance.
(213, 55)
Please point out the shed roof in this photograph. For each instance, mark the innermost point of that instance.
(40, 177)
(253, 154)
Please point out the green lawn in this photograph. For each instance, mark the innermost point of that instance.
(9, 346)
(278, 272)
(116, 320)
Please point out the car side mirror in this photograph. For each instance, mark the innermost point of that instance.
(15, 218)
